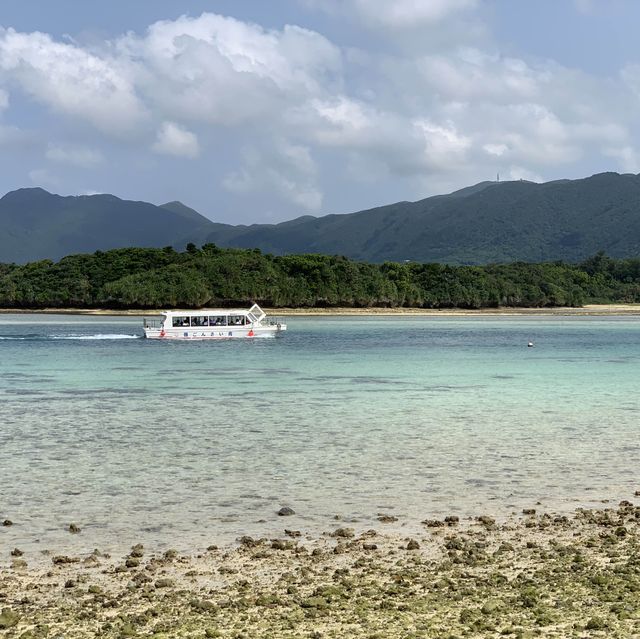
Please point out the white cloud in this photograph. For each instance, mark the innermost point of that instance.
(173, 139)
(71, 80)
(42, 177)
(627, 157)
(388, 139)
(219, 70)
(289, 170)
(74, 155)
(468, 74)
(396, 13)
(445, 147)
(630, 75)
(447, 113)
(409, 13)
(495, 149)
(520, 173)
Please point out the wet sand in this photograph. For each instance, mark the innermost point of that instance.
(535, 575)
(588, 309)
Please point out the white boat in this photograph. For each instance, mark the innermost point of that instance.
(217, 323)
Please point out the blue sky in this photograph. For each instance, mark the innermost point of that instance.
(262, 111)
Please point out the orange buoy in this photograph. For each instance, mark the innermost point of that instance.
(251, 333)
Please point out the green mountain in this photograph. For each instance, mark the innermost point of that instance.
(489, 222)
(37, 224)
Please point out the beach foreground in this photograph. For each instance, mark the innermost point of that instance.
(537, 574)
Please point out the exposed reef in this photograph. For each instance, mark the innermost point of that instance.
(537, 575)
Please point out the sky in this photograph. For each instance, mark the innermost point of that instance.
(252, 111)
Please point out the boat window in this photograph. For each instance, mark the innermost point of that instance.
(217, 320)
(198, 320)
(236, 320)
(180, 321)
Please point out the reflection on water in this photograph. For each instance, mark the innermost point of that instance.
(183, 444)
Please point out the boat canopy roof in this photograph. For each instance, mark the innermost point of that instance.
(255, 313)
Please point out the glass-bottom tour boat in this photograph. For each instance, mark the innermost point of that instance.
(215, 323)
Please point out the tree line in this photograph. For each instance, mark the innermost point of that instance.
(148, 278)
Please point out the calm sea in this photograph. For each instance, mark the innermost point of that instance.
(187, 444)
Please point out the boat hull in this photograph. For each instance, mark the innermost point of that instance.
(209, 333)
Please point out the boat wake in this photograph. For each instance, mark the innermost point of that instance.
(98, 336)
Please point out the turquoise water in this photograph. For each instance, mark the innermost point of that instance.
(188, 444)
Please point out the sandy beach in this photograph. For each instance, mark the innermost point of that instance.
(588, 309)
(537, 574)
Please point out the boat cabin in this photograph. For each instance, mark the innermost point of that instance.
(213, 317)
(212, 323)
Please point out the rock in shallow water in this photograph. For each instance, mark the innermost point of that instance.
(285, 511)
(64, 559)
(343, 532)
(487, 521)
(249, 542)
(281, 544)
(91, 560)
(74, 529)
(387, 519)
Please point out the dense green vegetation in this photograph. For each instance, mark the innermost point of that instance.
(40, 225)
(164, 278)
(488, 223)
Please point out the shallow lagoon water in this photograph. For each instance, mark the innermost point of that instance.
(187, 444)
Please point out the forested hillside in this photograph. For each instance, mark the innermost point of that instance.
(210, 276)
(40, 225)
(490, 222)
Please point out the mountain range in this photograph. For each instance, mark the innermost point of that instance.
(488, 222)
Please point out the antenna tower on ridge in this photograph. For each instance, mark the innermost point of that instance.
(498, 178)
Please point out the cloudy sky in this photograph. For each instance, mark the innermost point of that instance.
(256, 111)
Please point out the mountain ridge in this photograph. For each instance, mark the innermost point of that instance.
(486, 222)
(41, 225)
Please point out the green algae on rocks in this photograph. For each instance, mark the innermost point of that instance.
(536, 576)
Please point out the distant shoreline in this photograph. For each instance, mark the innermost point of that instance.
(586, 310)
